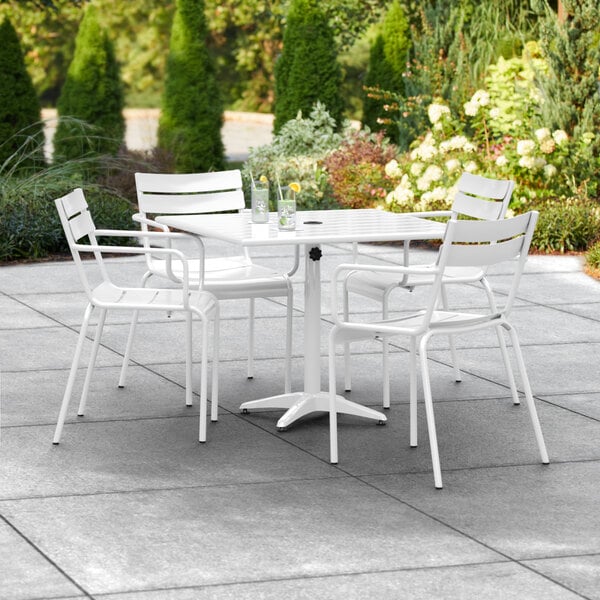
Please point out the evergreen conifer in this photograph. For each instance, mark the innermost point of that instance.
(571, 87)
(92, 93)
(387, 63)
(307, 70)
(192, 110)
(21, 130)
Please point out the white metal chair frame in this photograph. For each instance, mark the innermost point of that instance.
(77, 224)
(477, 197)
(466, 244)
(233, 277)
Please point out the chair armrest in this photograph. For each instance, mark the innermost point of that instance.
(165, 235)
(354, 267)
(168, 252)
(140, 218)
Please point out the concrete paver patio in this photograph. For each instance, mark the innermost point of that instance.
(130, 507)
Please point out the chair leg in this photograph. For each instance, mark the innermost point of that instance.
(72, 373)
(412, 374)
(529, 396)
(347, 366)
(288, 341)
(386, 360)
(251, 339)
(203, 382)
(214, 395)
(132, 328)
(333, 441)
(435, 457)
(92, 362)
(503, 350)
(127, 355)
(188, 359)
(509, 371)
(453, 354)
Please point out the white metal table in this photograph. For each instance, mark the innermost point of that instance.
(314, 229)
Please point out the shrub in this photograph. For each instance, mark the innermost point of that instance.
(296, 154)
(387, 62)
(592, 258)
(569, 226)
(356, 170)
(307, 70)
(92, 93)
(29, 223)
(20, 126)
(192, 111)
(30, 227)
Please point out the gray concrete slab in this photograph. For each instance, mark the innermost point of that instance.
(26, 573)
(229, 534)
(560, 368)
(117, 456)
(524, 512)
(484, 582)
(131, 505)
(579, 573)
(471, 434)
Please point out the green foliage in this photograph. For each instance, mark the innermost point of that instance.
(307, 70)
(48, 40)
(30, 227)
(387, 63)
(592, 258)
(296, 154)
(356, 170)
(192, 112)
(567, 226)
(572, 82)
(20, 126)
(92, 93)
(29, 224)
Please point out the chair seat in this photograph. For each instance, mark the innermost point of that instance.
(376, 285)
(109, 295)
(230, 277)
(441, 320)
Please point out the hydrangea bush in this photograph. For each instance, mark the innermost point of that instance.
(494, 135)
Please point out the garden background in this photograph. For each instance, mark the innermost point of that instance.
(503, 88)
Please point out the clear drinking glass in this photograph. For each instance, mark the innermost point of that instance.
(286, 209)
(260, 201)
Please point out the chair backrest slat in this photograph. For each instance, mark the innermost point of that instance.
(484, 243)
(168, 193)
(482, 198)
(484, 255)
(74, 203)
(81, 225)
(78, 223)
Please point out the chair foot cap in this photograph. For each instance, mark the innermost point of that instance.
(120, 387)
(55, 443)
(250, 377)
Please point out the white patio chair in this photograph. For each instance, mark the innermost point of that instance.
(232, 277)
(78, 224)
(477, 198)
(471, 244)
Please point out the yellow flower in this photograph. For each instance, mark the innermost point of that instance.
(263, 178)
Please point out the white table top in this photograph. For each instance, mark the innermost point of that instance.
(335, 226)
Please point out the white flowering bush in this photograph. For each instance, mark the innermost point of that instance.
(425, 177)
(494, 136)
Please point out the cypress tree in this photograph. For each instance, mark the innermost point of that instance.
(192, 110)
(92, 93)
(572, 85)
(387, 63)
(20, 125)
(307, 70)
